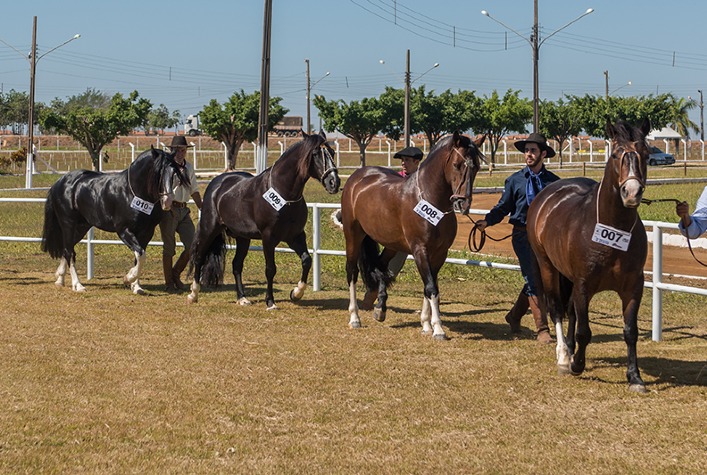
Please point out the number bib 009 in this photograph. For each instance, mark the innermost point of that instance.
(429, 212)
(611, 237)
(142, 205)
(274, 199)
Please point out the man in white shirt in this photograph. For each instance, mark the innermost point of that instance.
(692, 226)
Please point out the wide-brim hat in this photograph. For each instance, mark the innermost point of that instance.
(536, 139)
(179, 141)
(412, 152)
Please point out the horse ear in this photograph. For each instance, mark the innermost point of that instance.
(478, 141)
(646, 126)
(322, 134)
(304, 134)
(610, 130)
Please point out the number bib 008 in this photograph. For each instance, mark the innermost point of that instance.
(429, 212)
(611, 237)
(274, 199)
(142, 205)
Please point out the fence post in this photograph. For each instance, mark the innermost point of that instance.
(657, 307)
(316, 267)
(89, 254)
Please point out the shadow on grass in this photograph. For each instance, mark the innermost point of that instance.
(667, 371)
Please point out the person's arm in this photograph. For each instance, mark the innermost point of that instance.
(503, 208)
(196, 196)
(695, 224)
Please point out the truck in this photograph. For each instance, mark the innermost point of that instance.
(191, 125)
(289, 126)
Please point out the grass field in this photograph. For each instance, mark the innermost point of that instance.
(110, 382)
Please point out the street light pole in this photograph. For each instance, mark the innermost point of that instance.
(606, 80)
(406, 111)
(309, 91)
(535, 43)
(30, 123)
(262, 154)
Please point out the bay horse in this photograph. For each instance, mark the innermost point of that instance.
(269, 207)
(128, 203)
(588, 238)
(412, 214)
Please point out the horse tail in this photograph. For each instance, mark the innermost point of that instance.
(212, 260)
(52, 236)
(373, 270)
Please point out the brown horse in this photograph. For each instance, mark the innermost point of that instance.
(588, 238)
(413, 215)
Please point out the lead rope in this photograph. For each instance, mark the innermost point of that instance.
(676, 201)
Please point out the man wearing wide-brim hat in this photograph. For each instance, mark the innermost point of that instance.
(519, 191)
(178, 220)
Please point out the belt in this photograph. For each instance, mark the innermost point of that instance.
(179, 204)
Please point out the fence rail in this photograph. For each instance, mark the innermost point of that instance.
(656, 285)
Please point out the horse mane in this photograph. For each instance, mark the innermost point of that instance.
(623, 131)
(305, 147)
(157, 161)
(446, 142)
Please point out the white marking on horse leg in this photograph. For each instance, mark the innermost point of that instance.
(75, 284)
(193, 297)
(436, 319)
(134, 272)
(425, 316)
(354, 321)
(244, 302)
(298, 291)
(60, 273)
(135, 287)
(562, 351)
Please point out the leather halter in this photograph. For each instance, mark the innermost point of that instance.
(160, 192)
(624, 155)
(468, 164)
(327, 160)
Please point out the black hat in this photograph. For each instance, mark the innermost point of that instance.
(412, 152)
(536, 139)
(179, 141)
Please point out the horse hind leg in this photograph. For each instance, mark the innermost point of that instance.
(61, 272)
(242, 246)
(352, 252)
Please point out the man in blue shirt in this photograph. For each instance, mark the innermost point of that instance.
(518, 192)
(692, 226)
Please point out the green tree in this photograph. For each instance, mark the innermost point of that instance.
(437, 115)
(560, 121)
(236, 120)
(499, 116)
(358, 120)
(14, 109)
(94, 119)
(160, 119)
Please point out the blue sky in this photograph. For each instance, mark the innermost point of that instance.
(184, 53)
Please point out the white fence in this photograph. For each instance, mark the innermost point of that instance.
(657, 285)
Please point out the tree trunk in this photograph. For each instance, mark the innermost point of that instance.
(95, 159)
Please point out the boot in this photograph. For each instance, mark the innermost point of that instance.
(168, 279)
(516, 313)
(179, 268)
(540, 321)
(368, 300)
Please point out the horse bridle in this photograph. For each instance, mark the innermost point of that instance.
(327, 159)
(468, 164)
(160, 193)
(631, 175)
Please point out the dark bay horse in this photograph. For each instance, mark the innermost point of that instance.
(588, 238)
(270, 207)
(413, 215)
(128, 203)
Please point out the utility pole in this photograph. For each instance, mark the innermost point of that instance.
(262, 155)
(702, 117)
(308, 128)
(536, 52)
(406, 112)
(606, 81)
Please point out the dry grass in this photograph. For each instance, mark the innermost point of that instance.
(110, 382)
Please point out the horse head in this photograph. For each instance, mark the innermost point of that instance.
(461, 168)
(166, 174)
(321, 165)
(627, 169)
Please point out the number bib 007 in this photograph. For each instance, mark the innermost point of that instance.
(429, 212)
(142, 205)
(611, 237)
(274, 199)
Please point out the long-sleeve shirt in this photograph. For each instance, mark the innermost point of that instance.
(513, 200)
(699, 218)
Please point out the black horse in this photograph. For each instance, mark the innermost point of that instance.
(125, 203)
(270, 207)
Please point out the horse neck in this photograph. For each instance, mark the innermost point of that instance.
(138, 176)
(288, 184)
(432, 180)
(611, 207)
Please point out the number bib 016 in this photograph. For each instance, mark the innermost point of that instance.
(142, 205)
(274, 199)
(429, 212)
(611, 237)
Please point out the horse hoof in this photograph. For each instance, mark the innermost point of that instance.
(293, 297)
(379, 315)
(354, 325)
(638, 388)
(243, 301)
(563, 369)
(192, 299)
(426, 332)
(272, 307)
(440, 337)
(59, 284)
(139, 292)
